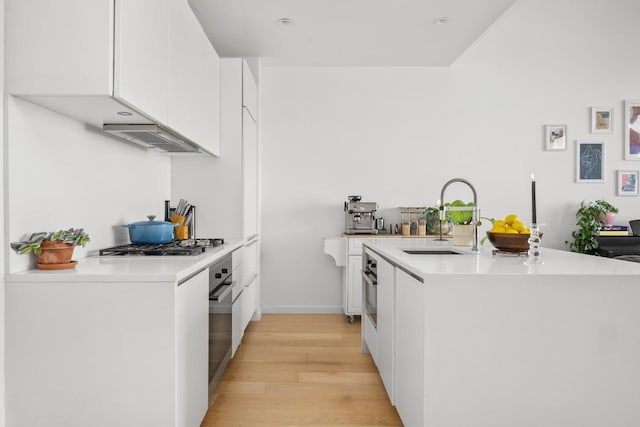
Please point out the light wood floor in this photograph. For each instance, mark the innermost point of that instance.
(301, 370)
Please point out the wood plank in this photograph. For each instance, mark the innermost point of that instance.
(301, 370)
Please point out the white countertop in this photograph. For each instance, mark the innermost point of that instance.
(130, 268)
(483, 262)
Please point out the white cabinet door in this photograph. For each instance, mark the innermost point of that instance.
(249, 91)
(192, 350)
(46, 56)
(237, 331)
(409, 390)
(193, 80)
(249, 303)
(141, 49)
(249, 267)
(250, 174)
(353, 291)
(385, 359)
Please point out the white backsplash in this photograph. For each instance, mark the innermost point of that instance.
(62, 173)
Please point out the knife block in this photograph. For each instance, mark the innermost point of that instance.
(181, 231)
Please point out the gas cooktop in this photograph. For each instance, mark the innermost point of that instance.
(175, 247)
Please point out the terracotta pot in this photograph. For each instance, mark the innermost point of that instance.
(55, 253)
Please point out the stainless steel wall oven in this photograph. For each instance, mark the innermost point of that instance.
(370, 286)
(220, 321)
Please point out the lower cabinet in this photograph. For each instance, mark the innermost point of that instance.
(192, 350)
(246, 294)
(409, 358)
(385, 355)
(352, 290)
(106, 354)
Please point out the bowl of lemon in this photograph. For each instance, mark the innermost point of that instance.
(509, 234)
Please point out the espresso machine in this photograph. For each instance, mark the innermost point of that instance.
(360, 216)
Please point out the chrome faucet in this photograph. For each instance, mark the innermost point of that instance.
(476, 212)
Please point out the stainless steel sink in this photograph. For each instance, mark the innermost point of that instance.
(430, 252)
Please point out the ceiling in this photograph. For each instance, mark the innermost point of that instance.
(347, 32)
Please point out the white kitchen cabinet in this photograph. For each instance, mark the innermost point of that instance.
(250, 174)
(107, 354)
(220, 187)
(409, 396)
(141, 49)
(249, 91)
(192, 350)
(246, 291)
(385, 356)
(352, 301)
(92, 60)
(351, 280)
(194, 79)
(249, 302)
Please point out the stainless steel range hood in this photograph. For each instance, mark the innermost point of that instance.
(152, 136)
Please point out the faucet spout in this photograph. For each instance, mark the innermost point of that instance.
(475, 220)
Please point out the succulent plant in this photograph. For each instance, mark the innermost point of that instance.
(73, 236)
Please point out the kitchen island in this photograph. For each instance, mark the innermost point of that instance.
(116, 341)
(476, 339)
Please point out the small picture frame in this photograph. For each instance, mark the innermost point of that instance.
(632, 130)
(589, 161)
(601, 119)
(627, 183)
(555, 137)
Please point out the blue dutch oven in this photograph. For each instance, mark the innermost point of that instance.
(147, 232)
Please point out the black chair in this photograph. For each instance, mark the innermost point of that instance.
(635, 227)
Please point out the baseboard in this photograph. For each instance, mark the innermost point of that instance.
(293, 309)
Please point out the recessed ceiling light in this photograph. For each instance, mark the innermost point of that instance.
(124, 113)
(285, 22)
(442, 20)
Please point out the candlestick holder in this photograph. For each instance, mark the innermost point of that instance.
(534, 243)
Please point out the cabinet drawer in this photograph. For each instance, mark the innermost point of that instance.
(250, 263)
(237, 259)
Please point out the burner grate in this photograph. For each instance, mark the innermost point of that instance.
(175, 247)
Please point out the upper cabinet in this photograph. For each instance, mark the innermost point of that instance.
(225, 189)
(141, 50)
(249, 91)
(194, 79)
(117, 62)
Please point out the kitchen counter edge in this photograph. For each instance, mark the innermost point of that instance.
(552, 262)
(171, 269)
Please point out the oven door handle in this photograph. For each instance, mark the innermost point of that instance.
(222, 293)
(368, 279)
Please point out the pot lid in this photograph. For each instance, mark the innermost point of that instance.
(149, 223)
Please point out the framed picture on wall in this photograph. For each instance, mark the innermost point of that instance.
(627, 183)
(555, 137)
(632, 130)
(601, 119)
(589, 161)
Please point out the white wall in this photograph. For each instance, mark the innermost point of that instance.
(2, 228)
(396, 135)
(61, 173)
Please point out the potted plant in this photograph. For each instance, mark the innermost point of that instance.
(432, 218)
(461, 220)
(590, 217)
(53, 248)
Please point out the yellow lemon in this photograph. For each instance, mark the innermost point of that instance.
(498, 223)
(518, 226)
(526, 231)
(498, 230)
(509, 219)
(511, 231)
